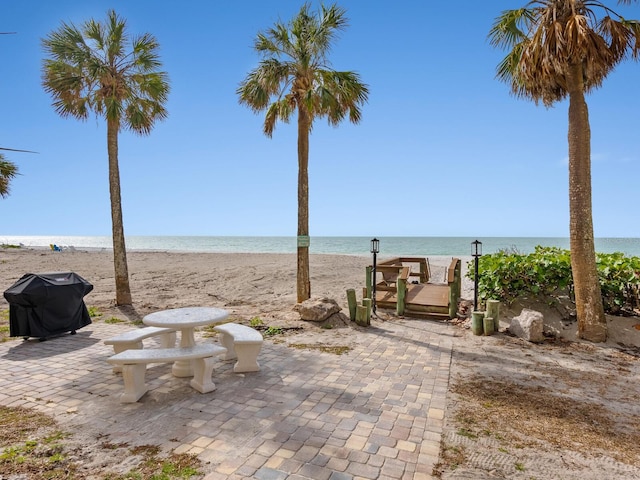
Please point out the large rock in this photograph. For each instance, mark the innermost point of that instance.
(529, 325)
(317, 309)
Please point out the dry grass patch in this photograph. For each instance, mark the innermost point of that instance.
(335, 349)
(32, 446)
(527, 415)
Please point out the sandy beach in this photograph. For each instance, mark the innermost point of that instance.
(247, 285)
(543, 382)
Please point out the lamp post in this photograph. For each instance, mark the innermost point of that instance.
(476, 252)
(375, 248)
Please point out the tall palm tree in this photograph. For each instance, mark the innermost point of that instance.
(295, 74)
(560, 49)
(8, 171)
(99, 67)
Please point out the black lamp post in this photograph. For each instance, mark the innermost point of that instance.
(476, 252)
(375, 248)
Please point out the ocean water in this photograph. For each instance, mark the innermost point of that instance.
(389, 246)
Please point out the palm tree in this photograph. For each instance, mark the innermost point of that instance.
(8, 171)
(294, 74)
(560, 49)
(99, 67)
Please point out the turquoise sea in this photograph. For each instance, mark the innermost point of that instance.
(389, 246)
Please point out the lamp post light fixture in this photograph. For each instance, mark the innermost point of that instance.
(375, 248)
(476, 252)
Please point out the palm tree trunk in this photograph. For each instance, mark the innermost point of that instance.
(123, 292)
(303, 282)
(592, 324)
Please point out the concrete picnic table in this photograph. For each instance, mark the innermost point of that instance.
(186, 320)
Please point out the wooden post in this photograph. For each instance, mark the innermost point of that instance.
(366, 302)
(477, 322)
(401, 295)
(353, 303)
(423, 272)
(361, 315)
(369, 284)
(493, 311)
(488, 325)
(455, 288)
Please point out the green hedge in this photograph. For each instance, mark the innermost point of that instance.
(547, 272)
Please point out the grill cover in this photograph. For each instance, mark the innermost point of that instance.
(46, 304)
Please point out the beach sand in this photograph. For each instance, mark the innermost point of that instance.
(247, 285)
(264, 286)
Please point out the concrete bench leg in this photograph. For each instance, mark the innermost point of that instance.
(121, 347)
(226, 341)
(134, 385)
(247, 358)
(168, 340)
(202, 371)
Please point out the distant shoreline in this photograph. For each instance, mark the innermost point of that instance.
(359, 246)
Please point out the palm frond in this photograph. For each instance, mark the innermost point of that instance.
(550, 37)
(511, 27)
(100, 68)
(15, 150)
(294, 72)
(8, 171)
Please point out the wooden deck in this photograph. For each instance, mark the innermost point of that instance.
(421, 299)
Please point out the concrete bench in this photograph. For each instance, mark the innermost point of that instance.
(241, 342)
(132, 340)
(134, 366)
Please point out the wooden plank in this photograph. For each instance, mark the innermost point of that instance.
(428, 294)
(451, 271)
(381, 287)
(429, 315)
(386, 297)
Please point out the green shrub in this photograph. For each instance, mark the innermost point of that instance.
(620, 281)
(506, 276)
(271, 331)
(256, 322)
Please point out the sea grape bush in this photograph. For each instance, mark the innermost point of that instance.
(619, 281)
(546, 272)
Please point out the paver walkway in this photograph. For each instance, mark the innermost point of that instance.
(373, 413)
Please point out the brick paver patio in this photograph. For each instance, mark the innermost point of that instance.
(375, 412)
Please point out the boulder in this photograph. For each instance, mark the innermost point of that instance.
(317, 309)
(529, 325)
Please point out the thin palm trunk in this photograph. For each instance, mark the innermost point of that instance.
(123, 292)
(303, 281)
(590, 311)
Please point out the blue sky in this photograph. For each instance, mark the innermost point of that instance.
(443, 149)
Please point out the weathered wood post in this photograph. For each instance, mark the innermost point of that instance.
(455, 289)
(367, 303)
(487, 324)
(401, 284)
(477, 322)
(424, 271)
(493, 311)
(361, 315)
(353, 303)
(368, 283)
